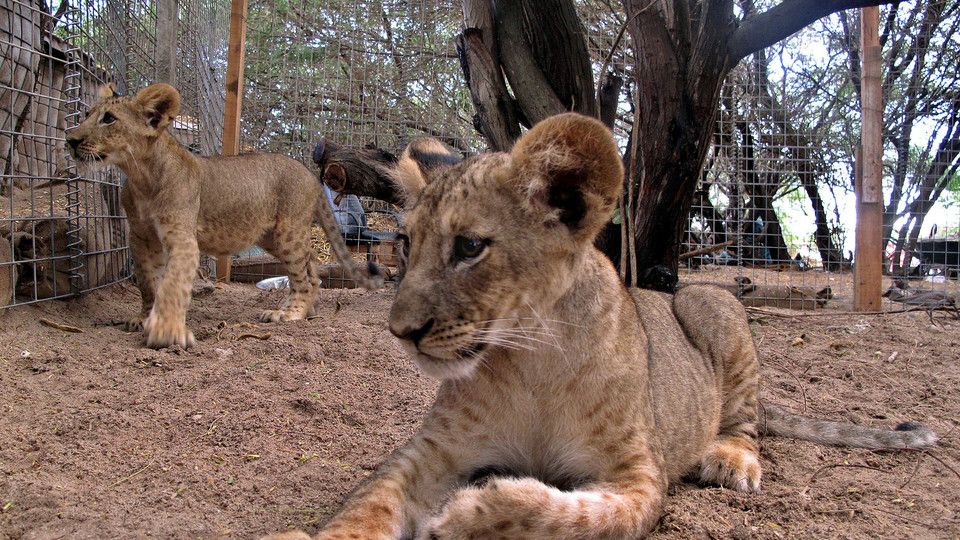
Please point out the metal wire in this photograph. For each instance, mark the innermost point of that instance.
(775, 199)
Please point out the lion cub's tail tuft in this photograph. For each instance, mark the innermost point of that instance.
(777, 421)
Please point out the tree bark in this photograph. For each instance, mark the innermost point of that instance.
(685, 57)
(541, 49)
(496, 118)
(678, 90)
(685, 49)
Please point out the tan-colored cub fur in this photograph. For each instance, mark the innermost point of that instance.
(179, 205)
(568, 403)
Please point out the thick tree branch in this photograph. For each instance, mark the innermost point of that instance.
(784, 19)
(358, 171)
(609, 98)
(529, 83)
(558, 43)
(495, 118)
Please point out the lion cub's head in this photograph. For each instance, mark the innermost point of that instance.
(497, 239)
(119, 129)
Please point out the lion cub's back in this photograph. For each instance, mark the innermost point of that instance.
(690, 333)
(241, 197)
(256, 181)
(713, 318)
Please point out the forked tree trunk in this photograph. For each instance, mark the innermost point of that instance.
(686, 49)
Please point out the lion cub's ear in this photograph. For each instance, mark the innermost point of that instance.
(161, 103)
(105, 91)
(570, 166)
(421, 161)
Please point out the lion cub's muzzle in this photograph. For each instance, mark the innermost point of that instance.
(81, 151)
(411, 331)
(443, 351)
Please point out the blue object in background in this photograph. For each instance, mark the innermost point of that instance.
(349, 214)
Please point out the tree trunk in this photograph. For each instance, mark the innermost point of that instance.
(829, 253)
(678, 91)
(540, 49)
(685, 50)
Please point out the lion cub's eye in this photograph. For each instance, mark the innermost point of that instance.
(108, 118)
(466, 247)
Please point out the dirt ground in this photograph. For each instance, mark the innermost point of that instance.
(267, 426)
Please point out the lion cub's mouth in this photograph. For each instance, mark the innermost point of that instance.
(89, 157)
(471, 351)
(459, 365)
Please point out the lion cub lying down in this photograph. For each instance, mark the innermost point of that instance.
(179, 205)
(568, 402)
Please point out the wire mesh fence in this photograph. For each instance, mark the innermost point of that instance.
(773, 219)
(60, 233)
(922, 134)
(353, 73)
(775, 215)
(62, 230)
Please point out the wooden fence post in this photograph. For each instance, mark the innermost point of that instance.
(168, 22)
(868, 273)
(234, 101)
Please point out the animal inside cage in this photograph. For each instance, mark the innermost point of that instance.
(61, 233)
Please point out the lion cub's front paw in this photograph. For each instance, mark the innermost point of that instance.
(732, 463)
(162, 333)
(134, 324)
(466, 516)
(271, 315)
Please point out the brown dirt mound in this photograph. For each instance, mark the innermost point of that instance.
(100, 438)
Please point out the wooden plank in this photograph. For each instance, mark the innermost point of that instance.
(868, 270)
(871, 106)
(234, 101)
(168, 22)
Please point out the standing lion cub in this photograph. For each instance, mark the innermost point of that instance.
(568, 402)
(179, 205)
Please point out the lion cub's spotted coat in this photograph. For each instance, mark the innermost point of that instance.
(179, 205)
(569, 403)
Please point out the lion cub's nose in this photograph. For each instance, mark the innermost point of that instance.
(412, 332)
(73, 143)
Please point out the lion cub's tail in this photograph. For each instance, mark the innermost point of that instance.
(369, 278)
(774, 420)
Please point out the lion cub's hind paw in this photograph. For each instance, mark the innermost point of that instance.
(131, 325)
(733, 464)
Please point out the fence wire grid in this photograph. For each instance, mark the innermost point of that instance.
(773, 220)
(775, 215)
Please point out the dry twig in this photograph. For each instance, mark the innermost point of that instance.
(262, 337)
(58, 326)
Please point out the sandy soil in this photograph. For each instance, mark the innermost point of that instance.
(100, 438)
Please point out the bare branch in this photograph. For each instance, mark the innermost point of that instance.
(784, 19)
